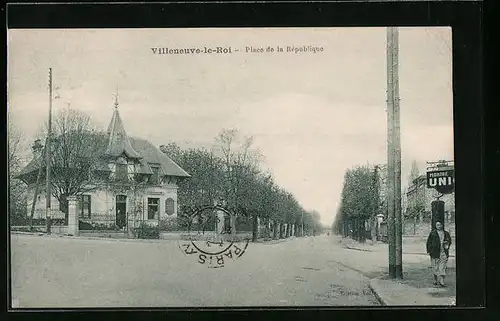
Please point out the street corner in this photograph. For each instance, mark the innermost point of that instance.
(394, 293)
(377, 287)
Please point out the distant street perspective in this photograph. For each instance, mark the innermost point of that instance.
(247, 175)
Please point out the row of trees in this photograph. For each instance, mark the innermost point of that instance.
(360, 203)
(230, 173)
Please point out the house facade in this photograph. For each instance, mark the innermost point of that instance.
(137, 183)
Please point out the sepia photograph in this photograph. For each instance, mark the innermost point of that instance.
(231, 167)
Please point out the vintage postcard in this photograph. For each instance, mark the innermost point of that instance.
(234, 167)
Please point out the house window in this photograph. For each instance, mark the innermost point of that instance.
(121, 172)
(83, 206)
(169, 206)
(155, 178)
(153, 208)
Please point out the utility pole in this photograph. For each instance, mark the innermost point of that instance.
(397, 156)
(48, 188)
(390, 157)
(394, 228)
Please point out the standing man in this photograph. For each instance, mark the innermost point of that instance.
(438, 247)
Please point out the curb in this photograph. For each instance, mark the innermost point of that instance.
(272, 242)
(375, 293)
(357, 249)
(27, 233)
(122, 239)
(365, 250)
(370, 286)
(93, 238)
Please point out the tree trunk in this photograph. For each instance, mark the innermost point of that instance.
(254, 228)
(414, 226)
(63, 203)
(275, 230)
(374, 229)
(282, 226)
(232, 221)
(362, 231)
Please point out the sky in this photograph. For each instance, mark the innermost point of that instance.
(312, 115)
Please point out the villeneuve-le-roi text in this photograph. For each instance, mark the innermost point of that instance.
(230, 50)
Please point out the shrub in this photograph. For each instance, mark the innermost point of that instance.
(145, 231)
(53, 222)
(92, 226)
(169, 224)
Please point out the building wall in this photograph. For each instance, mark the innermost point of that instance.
(420, 193)
(163, 193)
(103, 203)
(40, 205)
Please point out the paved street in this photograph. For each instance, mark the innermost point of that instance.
(68, 272)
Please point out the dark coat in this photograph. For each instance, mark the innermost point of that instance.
(434, 244)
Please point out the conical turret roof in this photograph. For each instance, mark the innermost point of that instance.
(119, 142)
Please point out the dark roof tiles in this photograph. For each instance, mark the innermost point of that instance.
(119, 142)
(153, 155)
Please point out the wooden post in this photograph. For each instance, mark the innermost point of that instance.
(48, 189)
(390, 156)
(397, 159)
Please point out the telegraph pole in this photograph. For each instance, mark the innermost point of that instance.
(390, 156)
(397, 155)
(394, 228)
(48, 188)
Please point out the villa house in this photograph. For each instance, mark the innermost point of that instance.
(140, 183)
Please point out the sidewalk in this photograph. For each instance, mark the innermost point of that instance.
(411, 245)
(416, 288)
(394, 293)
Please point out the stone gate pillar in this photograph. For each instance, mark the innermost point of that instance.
(220, 222)
(259, 228)
(72, 216)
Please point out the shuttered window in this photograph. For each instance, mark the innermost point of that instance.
(169, 206)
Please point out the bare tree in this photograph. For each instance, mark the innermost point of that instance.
(77, 148)
(14, 147)
(239, 158)
(17, 190)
